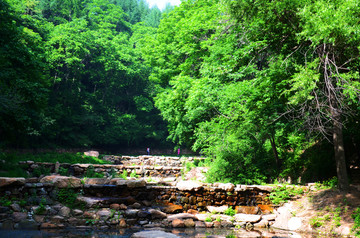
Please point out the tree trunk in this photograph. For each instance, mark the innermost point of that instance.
(343, 183)
(276, 154)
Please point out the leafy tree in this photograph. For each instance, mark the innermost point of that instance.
(23, 85)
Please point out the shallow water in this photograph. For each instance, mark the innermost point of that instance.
(122, 233)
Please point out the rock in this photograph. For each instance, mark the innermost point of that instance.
(104, 214)
(135, 183)
(229, 187)
(182, 216)
(226, 224)
(156, 214)
(141, 223)
(282, 218)
(209, 224)
(220, 209)
(131, 212)
(92, 153)
(47, 225)
(122, 223)
(4, 182)
(269, 217)
(217, 224)
(115, 206)
(266, 209)
(118, 181)
(122, 207)
(199, 224)
(177, 223)
(153, 234)
(64, 211)
(294, 223)
(136, 205)
(172, 208)
(19, 216)
(77, 212)
(188, 186)
(97, 181)
(189, 223)
(143, 214)
(247, 218)
(15, 207)
(262, 224)
(62, 181)
(57, 219)
(39, 218)
(343, 230)
(247, 210)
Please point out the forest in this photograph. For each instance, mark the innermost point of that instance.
(265, 89)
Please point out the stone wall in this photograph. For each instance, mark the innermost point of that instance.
(107, 170)
(117, 202)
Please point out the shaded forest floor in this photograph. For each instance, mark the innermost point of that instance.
(327, 211)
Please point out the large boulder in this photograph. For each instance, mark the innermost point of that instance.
(283, 217)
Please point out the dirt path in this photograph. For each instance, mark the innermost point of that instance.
(327, 211)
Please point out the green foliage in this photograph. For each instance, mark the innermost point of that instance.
(316, 222)
(124, 174)
(282, 194)
(90, 173)
(41, 170)
(68, 197)
(5, 201)
(40, 210)
(63, 171)
(230, 211)
(208, 219)
(133, 174)
(356, 226)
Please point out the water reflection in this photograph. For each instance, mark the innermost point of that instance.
(122, 233)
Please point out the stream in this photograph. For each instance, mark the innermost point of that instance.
(122, 233)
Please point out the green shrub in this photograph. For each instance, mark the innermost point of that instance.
(68, 197)
(282, 194)
(41, 170)
(63, 171)
(90, 173)
(230, 211)
(356, 226)
(124, 174)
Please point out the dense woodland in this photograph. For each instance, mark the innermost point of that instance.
(266, 89)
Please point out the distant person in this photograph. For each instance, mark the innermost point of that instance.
(148, 150)
(179, 152)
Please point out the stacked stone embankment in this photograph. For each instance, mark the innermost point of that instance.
(118, 203)
(141, 166)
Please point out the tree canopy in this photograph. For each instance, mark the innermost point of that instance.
(263, 88)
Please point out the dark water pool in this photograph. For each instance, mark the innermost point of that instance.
(197, 233)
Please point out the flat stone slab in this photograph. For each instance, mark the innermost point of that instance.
(182, 216)
(247, 218)
(188, 186)
(62, 181)
(11, 181)
(153, 234)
